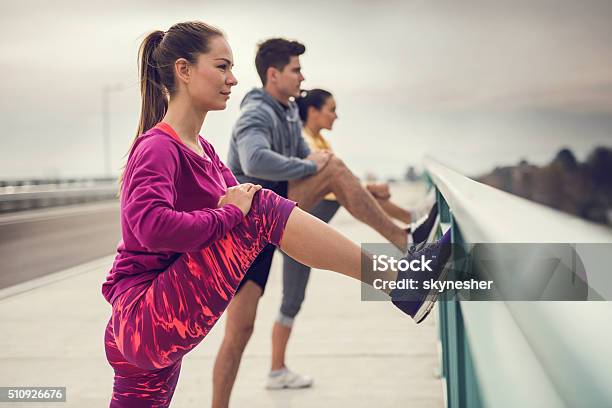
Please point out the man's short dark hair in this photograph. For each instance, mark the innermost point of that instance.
(276, 52)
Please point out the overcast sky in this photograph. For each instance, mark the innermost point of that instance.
(475, 83)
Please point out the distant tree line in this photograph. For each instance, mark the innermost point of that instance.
(583, 189)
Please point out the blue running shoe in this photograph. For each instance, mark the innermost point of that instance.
(417, 303)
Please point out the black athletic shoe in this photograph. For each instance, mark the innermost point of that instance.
(425, 232)
(417, 303)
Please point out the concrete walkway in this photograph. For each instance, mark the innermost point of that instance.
(361, 354)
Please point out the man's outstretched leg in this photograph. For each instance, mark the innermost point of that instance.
(337, 178)
(239, 326)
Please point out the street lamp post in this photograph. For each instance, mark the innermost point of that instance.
(106, 139)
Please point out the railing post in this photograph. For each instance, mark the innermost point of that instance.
(443, 209)
(457, 369)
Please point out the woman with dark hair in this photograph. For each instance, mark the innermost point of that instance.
(317, 108)
(189, 231)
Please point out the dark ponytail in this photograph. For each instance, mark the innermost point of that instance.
(315, 98)
(154, 99)
(156, 57)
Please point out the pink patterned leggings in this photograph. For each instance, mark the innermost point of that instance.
(154, 324)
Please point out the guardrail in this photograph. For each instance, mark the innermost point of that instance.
(516, 353)
(21, 195)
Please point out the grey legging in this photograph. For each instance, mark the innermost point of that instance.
(295, 275)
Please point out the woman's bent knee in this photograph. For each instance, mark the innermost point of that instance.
(271, 212)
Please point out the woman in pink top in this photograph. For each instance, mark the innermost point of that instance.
(189, 231)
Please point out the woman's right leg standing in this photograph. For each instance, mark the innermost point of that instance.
(135, 387)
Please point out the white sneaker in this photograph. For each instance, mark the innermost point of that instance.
(288, 379)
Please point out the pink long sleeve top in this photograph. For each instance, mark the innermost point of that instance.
(169, 202)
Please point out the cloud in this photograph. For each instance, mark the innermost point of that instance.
(423, 60)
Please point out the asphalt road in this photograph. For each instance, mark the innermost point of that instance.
(38, 242)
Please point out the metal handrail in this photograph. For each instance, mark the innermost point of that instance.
(42, 193)
(33, 194)
(478, 208)
(508, 354)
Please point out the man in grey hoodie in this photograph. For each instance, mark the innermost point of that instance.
(267, 148)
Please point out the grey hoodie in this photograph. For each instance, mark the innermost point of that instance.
(267, 144)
